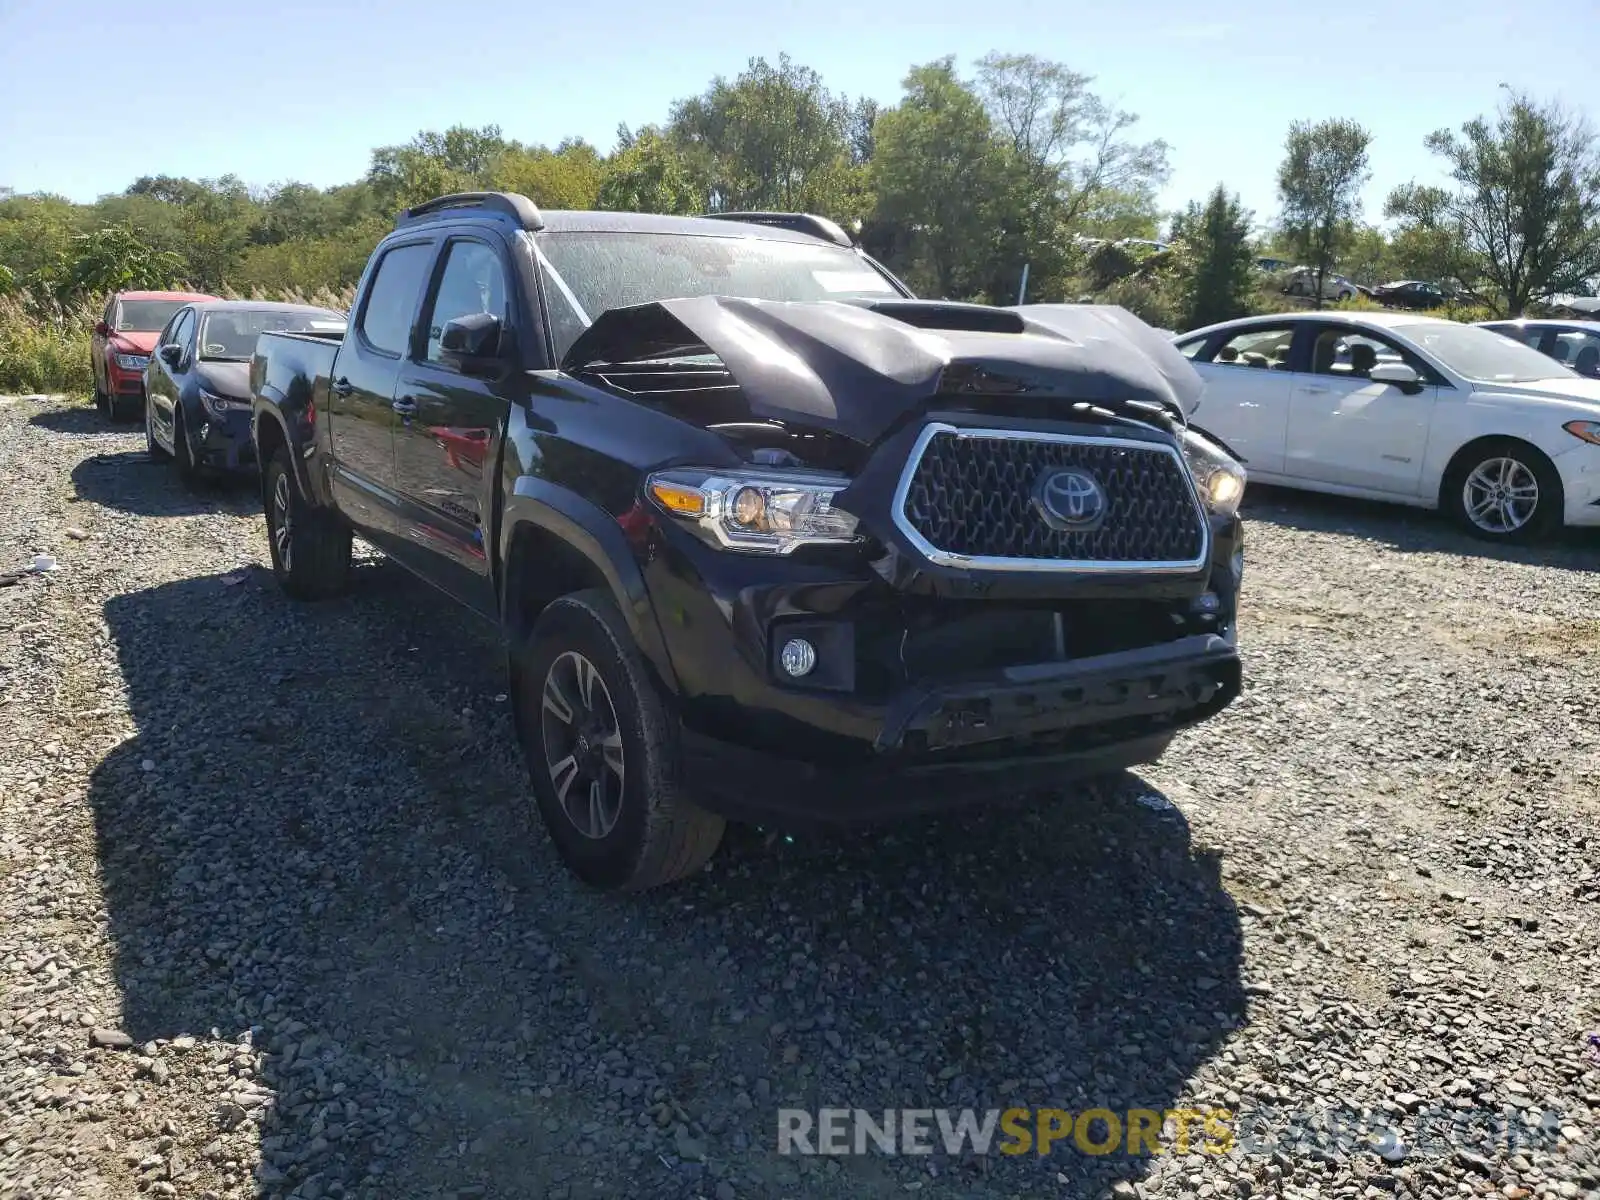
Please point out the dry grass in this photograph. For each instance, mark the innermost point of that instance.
(45, 347)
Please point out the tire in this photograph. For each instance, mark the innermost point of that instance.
(310, 547)
(152, 447)
(183, 464)
(643, 832)
(102, 402)
(1469, 486)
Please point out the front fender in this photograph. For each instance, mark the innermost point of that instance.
(593, 533)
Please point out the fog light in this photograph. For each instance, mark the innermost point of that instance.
(798, 657)
(1206, 602)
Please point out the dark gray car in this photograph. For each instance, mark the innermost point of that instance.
(198, 380)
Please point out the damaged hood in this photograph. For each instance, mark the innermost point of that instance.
(856, 369)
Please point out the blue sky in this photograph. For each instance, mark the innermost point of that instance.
(93, 95)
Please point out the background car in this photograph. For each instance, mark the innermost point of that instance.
(198, 380)
(1405, 408)
(1334, 287)
(121, 346)
(1409, 293)
(1574, 344)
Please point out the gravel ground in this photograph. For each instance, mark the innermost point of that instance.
(275, 918)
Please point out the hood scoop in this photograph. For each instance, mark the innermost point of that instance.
(859, 369)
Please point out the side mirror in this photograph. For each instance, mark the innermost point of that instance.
(171, 353)
(101, 329)
(472, 344)
(1401, 375)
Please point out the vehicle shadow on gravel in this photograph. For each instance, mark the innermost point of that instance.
(1412, 530)
(320, 834)
(131, 481)
(76, 418)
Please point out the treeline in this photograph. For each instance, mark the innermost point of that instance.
(966, 181)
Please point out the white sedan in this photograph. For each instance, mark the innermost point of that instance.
(1405, 408)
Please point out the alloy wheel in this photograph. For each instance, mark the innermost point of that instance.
(283, 522)
(582, 744)
(1500, 495)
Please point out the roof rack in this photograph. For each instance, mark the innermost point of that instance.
(810, 223)
(521, 208)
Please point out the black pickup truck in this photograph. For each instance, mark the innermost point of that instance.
(769, 538)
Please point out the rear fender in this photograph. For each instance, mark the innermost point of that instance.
(279, 419)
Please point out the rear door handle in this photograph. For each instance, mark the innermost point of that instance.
(405, 406)
(341, 387)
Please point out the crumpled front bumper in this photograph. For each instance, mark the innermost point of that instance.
(1030, 728)
(224, 442)
(1163, 686)
(850, 743)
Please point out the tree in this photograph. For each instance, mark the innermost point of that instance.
(938, 171)
(1074, 144)
(1222, 270)
(648, 176)
(1319, 183)
(1524, 213)
(112, 259)
(435, 164)
(774, 138)
(567, 177)
(1368, 258)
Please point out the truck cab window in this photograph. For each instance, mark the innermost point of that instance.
(473, 282)
(392, 298)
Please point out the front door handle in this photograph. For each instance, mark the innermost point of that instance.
(405, 406)
(341, 386)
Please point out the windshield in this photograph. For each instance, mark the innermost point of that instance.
(145, 316)
(1481, 355)
(598, 271)
(231, 336)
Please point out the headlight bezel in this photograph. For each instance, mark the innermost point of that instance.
(132, 362)
(1584, 430)
(703, 500)
(221, 406)
(1219, 478)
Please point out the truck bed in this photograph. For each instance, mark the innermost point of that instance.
(292, 368)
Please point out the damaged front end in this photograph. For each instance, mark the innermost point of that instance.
(941, 538)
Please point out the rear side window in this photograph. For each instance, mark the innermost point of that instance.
(392, 297)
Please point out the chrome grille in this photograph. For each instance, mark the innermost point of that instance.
(968, 498)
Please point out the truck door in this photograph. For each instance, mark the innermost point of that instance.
(449, 426)
(361, 416)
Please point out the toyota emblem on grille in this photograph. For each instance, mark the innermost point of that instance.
(1071, 501)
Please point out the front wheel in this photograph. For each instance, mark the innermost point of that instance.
(310, 547)
(602, 750)
(152, 447)
(1504, 491)
(183, 462)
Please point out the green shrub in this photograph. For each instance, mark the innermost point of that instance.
(43, 347)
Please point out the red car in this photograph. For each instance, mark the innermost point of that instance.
(123, 339)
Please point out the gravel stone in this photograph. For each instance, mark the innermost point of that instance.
(286, 856)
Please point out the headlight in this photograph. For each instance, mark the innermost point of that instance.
(221, 406)
(767, 512)
(1218, 476)
(1588, 431)
(132, 362)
